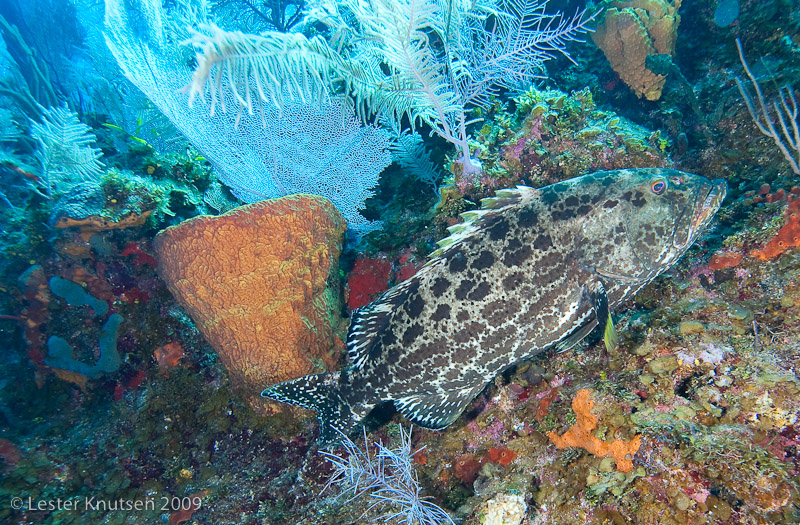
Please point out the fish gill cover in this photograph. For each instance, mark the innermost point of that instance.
(539, 263)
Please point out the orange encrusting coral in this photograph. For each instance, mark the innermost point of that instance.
(788, 236)
(254, 280)
(580, 435)
(500, 456)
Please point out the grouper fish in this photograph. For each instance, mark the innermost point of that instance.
(532, 270)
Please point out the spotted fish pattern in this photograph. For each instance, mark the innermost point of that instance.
(532, 270)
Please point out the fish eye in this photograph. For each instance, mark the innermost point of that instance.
(658, 187)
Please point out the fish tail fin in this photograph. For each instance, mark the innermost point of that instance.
(321, 393)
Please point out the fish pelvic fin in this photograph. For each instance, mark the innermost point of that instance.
(321, 393)
(610, 335)
(576, 336)
(597, 294)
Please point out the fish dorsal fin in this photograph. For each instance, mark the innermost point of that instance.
(474, 220)
(508, 197)
(438, 410)
(368, 322)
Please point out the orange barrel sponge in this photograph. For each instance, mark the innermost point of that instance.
(261, 283)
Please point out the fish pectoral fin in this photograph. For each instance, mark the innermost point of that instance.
(435, 411)
(610, 336)
(621, 278)
(365, 325)
(597, 295)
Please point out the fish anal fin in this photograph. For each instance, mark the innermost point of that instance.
(435, 411)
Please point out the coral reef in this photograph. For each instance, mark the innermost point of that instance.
(630, 31)
(552, 136)
(705, 374)
(258, 283)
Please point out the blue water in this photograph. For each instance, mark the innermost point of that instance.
(129, 391)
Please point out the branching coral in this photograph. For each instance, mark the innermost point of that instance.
(388, 477)
(37, 90)
(786, 115)
(65, 152)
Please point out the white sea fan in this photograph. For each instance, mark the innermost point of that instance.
(420, 60)
(319, 148)
(65, 151)
(387, 475)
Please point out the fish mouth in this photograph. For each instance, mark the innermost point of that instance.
(708, 201)
(710, 205)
